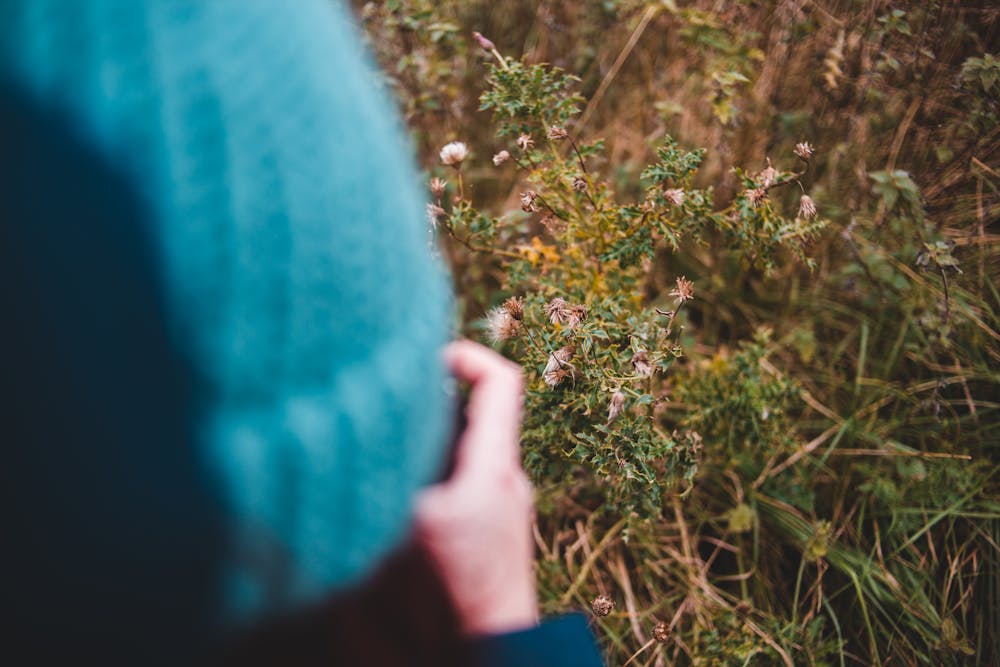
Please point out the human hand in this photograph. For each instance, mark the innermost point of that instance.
(477, 524)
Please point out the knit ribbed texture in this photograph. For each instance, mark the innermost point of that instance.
(283, 201)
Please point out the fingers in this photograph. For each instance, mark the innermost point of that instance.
(493, 413)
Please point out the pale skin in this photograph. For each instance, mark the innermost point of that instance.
(477, 524)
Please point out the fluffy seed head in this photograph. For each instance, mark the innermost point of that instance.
(803, 151)
(682, 291)
(500, 158)
(525, 142)
(528, 199)
(674, 195)
(602, 605)
(453, 153)
(807, 208)
(437, 187)
(501, 325)
(557, 133)
(615, 406)
(515, 307)
(641, 364)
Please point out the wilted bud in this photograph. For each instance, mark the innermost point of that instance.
(641, 364)
(803, 151)
(500, 158)
(524, 142)
(615, 407)
(434, 213)
(807, 208)
(682, 291)
(757, 196)
(558, 367)
(452, 154)
(674, 195)
(437, 187)
(579, 183)
(602, 605)
(528, 199)
(515, 306)
(661, 632)
(557, 133)
(484, 44)
(501, 324)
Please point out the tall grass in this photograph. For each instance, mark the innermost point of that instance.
(809, 476)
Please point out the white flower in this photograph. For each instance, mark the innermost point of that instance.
(452, 154)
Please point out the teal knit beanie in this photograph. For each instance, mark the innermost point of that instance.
(284, 207)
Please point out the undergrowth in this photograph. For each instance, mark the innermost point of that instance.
(746, 254)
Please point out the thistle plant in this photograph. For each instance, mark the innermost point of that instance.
(803, 471)
(576, 264)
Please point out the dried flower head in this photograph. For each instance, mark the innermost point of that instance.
(579, 183)
(437, 187)
(554, 309)
(558, 367)
(756, 196)
(693, 440)
(615, 406)
(501, 157)
(434, 213)
(525, 142)
(768, 175)
(661, 632)
(453, 153)
(528, 201)
(515, 306)
(560, 312)
(641, 364)
(557, 133)
(683, 291)
(807, 208)
(484, 44)
(576, 314)
(602, 605)
(674, 195)
(804, 151)
(501, 325)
